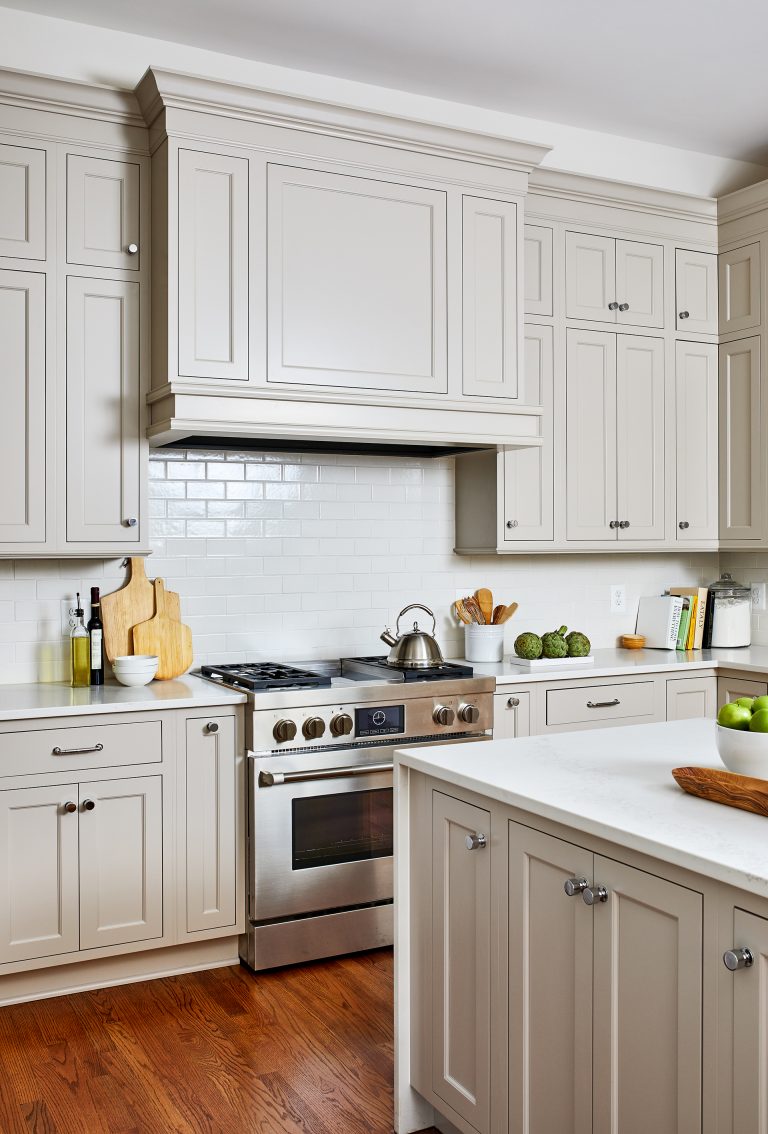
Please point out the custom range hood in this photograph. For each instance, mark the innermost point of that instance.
(324, 277)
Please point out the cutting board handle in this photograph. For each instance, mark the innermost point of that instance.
(138, 570)
(160, 600)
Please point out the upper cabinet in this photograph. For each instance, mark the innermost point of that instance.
(696, 292)
(22, 202)
(103, 213)
(490, 268)
(740, 289)
(614, 281)
(538, 270)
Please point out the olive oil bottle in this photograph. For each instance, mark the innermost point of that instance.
(80, 644)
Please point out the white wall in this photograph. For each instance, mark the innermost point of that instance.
(31, 42)
(280, 556)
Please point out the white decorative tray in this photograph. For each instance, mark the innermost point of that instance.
(548, 663)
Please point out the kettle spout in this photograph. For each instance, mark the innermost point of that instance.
(388, 637)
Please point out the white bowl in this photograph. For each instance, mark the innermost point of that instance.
(135, 671)
(743, 751)
(135, 661)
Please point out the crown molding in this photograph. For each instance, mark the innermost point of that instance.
(743, 202)
(64, 96)
(622, 194)
(159, 90)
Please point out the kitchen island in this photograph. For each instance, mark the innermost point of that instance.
(525, 1004)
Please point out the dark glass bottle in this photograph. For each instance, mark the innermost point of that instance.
(96, 634)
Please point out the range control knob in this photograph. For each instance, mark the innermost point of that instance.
(341, 724)
(283, 731)
(469, 714)
(443, 715)
(313, 728)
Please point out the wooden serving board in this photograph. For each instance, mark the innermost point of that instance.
(124, 609)
(166, 637)
(746, 792)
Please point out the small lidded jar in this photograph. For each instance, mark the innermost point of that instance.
(732, 617)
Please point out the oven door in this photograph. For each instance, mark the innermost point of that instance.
(320, 831)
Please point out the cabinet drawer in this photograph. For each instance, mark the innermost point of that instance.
(600, 703)
(89, 746)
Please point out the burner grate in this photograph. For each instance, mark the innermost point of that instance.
(257, 676)
(379, 664)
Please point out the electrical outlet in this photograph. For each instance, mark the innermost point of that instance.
(758, 596)
(67, 619)
(618, 603)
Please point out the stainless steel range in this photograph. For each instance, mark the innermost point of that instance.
(321, 739)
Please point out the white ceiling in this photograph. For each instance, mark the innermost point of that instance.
(689, 73)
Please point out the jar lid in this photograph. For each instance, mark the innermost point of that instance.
(727, 587)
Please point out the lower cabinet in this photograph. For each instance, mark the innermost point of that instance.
(731, 688)
(749, 1026)
(511, 715)
(691, 697)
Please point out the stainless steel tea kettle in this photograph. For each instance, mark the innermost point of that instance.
(416, 649)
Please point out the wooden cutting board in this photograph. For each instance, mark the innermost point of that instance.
(165, 636)
(124, 609)
(746, 792)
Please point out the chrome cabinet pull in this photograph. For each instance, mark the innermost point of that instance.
(574, 886)
(273, 779)
(613, 306)
(734, 959)
(76, 751)
(593, 895)
(623, 307)
(603, 704)
(132, 249)
(476, 842)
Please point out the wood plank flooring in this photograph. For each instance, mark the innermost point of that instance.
(304, 1050)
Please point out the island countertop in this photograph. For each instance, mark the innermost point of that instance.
(616, 784)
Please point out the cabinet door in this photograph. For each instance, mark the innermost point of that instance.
(490, 258)
(741, 450)
(529, 472)
(550, 984)
(640, 283)
(731, 688)
(696, 291)
(739, 305)
(22, 203)
(750, 1027)
(213, 266)
(591, 435)
(103, 412)
(538, 270)
(211, 823)
(590, 277)
(38, 869)
(23, 448)
(103, 212)
(356, 282)
(121, 861)
(696, 449)
(640, 437)
(647, 1004)
(461, 942)
(511, 715)
(689, 698)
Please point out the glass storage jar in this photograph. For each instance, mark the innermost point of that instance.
(732, 617)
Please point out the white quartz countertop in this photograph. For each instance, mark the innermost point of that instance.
(616, 784)
(622, 663)
(54, 699)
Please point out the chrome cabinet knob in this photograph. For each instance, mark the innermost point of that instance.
(313, 728)
(212, 726)
(623, 524)
(683, 525)
(594, 894)
(613, 306)
(513, 702)
(88, 805)
(476, 842)
(623, 307)
(70, 807)
(443, 715)
(130, 522)
(734, 959)
(574, 886)
(613, 525)
(511, 523)
(684, 315)
(341, 724)
(283, 731)
(132, 249)
(469, 714)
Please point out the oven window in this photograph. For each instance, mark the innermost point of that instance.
(344, 827)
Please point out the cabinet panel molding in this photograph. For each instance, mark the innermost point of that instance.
(538, 244)
(490, 302)
(640, 416)
(640, 283)
(591, 435)
(590, 277)
(750, 1026)
(22, 202)
(696, 292)
(210, 820)
(689, 698)
(528, 482)
(696, 452)
(103, 212)
(742, 502)
(739, 292)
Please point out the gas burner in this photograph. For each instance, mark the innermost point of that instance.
(256, 676)
(379, 667)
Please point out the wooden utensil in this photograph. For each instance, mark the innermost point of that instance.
(133, 603)
(472, 607)
(485, 601)
(745, 792)
(497, 613)
(461, 612)
(165, 636)
(507, 614)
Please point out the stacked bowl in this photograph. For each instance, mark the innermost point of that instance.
(136, 669)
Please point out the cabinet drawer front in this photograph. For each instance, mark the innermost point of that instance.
(599, 703)
(90, 746)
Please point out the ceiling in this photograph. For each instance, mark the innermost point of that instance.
(657, 70)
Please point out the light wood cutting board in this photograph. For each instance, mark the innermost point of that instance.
(165, 636)
(746, 792)
(124, 609)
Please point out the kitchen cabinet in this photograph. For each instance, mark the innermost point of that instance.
(460, 957)
(23, 443)
(739, 289)
(742, 497)
(103, 213)
(614, 437)
(747, 1026)
(691, 697)
(538, 274)
(731, 688)
(610, 280)
(22, 202)
(490, 268)
(696, 451)
(528, 473)
(696, 292)
(604, 704)
(511, 714)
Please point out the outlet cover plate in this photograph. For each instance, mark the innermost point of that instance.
(758, 596)
(618, 598)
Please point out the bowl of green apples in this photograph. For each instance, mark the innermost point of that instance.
(742, 736)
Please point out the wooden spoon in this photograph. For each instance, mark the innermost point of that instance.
(472, 606)
(461, 612)
(485, 601)
(497, 613)
(510, 610)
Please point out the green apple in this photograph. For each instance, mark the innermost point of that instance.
(759, 703)
(734, 716)
(759, 722)
(747, 702)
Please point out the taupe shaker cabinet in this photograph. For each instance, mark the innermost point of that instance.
(696, 292)
(614, 281)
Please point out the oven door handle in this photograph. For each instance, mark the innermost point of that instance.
(272, 779)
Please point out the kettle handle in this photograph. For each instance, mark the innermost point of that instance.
(416, 606)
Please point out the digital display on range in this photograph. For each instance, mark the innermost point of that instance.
(380, 720)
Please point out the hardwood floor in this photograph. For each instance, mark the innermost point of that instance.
(304, 1050)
